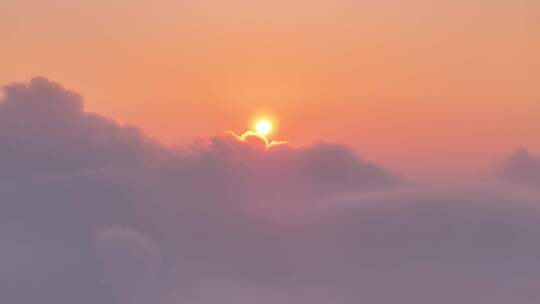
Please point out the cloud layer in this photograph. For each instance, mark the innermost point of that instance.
(95, 212)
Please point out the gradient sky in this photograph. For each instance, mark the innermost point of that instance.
(402, 181)
(427, 87)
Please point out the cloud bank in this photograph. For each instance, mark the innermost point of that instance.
(95, 212)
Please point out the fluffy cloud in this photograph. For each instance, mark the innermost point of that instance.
(44, 130)
(521, 168)
(94, 212)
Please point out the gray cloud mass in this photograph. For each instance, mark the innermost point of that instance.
(95, 212)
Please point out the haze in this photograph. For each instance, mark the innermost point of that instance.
(431, 89)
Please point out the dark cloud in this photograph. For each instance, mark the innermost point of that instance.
(521, 168)
(44, 130)
(94, 212)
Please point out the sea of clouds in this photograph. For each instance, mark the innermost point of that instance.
(94, 212)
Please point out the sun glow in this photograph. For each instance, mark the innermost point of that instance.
(263, 127)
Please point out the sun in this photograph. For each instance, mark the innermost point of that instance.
(263, 126)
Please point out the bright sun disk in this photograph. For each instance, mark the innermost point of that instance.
(263, 126)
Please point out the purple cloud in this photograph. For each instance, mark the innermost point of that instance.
(521, 168)
(95, 212)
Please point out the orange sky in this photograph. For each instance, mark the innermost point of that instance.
(424, 87)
